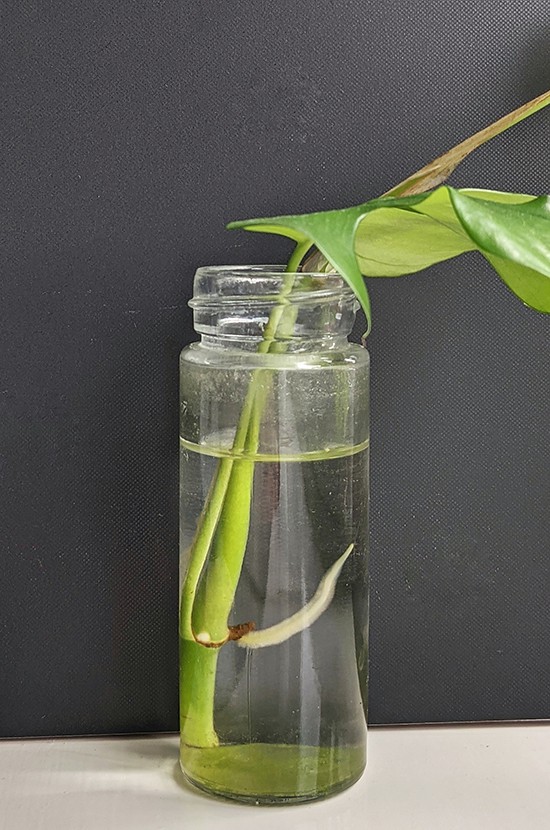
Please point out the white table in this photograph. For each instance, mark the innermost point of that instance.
(426, 778)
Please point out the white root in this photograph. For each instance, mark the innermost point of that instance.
(303, 618)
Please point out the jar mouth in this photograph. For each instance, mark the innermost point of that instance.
(239, 304)
(260, 284)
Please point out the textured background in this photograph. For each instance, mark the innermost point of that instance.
(131, 132)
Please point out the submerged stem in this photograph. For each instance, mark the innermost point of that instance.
(220, 541)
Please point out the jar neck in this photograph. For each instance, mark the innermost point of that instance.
(292, 346)
(264, 308)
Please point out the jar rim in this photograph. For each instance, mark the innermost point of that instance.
(216, 284)
(274, 269)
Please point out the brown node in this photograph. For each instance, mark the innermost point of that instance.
(210, 644)
(238, 631)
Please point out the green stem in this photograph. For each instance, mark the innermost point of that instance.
(217, 590)
(197, 685)
(221, 537)
(297, 256)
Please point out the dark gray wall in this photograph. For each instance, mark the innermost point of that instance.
(131, 133)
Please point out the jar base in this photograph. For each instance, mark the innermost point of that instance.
(271, 774)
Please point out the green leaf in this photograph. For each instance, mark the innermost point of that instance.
(530, 286)
(393, 236)
(445, 223)
(522, 257)
(439, 170)
(398, 239)
(520, 233)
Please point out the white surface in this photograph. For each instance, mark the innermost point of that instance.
(427, 778)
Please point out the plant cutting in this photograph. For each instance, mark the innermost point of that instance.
(270, 567)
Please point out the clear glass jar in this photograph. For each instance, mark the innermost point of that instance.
(274, 499)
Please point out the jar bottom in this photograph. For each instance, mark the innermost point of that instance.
(263, 773)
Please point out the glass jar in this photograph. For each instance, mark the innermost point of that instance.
(274, 497)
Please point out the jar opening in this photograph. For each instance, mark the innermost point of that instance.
(240, 304)
(264, 283)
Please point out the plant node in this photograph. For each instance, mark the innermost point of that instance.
(238, 631)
